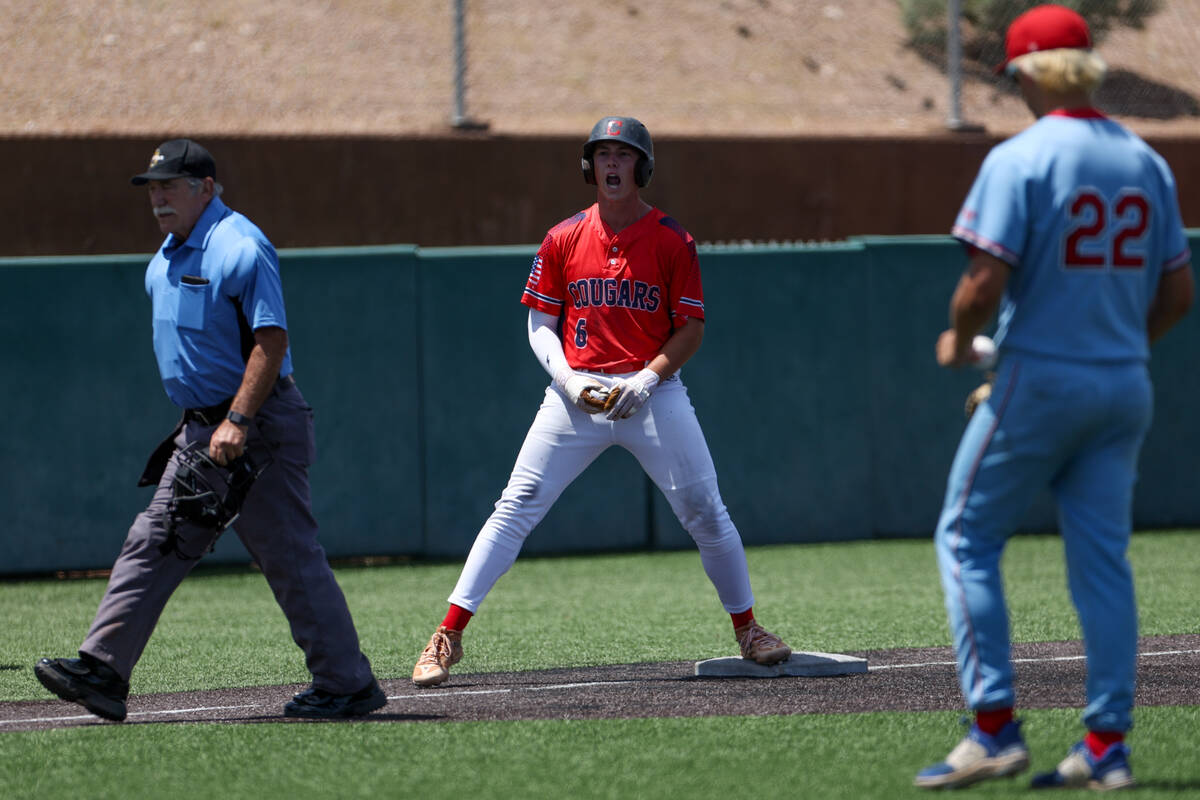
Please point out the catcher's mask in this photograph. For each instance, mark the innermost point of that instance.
(206, 495)
(628, 131)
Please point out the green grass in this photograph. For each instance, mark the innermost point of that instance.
(223, 629)
(827, 756)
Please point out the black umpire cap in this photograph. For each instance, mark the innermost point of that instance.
(178, 158)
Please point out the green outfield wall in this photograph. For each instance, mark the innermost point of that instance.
(816, 386)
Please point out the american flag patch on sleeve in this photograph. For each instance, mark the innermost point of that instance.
(535, 272)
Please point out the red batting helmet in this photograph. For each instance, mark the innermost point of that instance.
(628, 131)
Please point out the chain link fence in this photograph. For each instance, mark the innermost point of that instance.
(801, 66)
(527, 67)
(976, 42)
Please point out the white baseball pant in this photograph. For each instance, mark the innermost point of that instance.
(666, 439)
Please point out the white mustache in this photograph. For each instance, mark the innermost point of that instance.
(163, 210)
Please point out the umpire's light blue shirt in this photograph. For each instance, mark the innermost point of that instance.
(209, 294)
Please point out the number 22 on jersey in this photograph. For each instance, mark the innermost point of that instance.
(1104, 234)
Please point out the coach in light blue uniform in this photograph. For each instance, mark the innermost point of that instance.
(220, 337)
(1075, 236)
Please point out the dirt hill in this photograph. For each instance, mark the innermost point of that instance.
(728, 67)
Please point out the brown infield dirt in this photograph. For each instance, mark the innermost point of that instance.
(1048, 675)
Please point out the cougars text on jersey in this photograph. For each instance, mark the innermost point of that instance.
(622, 293)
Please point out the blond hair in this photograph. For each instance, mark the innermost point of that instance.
(1066, 69)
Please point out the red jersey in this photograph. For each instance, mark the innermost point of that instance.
(618, 296)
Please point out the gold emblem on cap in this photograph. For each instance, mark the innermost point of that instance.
(157, 157)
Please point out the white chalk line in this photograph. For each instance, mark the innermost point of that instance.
(435, 693)
(422, 694)
(133, 714)
(432, 694)
(1045, 660)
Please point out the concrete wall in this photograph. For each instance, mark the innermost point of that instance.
(816, 387)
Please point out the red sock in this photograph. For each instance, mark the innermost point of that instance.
(990, 722)
(743, 617)
(457, 618)
(1099, 741)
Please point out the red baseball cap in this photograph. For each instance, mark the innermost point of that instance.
(1047, 27)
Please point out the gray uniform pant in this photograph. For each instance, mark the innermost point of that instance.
(279, 531)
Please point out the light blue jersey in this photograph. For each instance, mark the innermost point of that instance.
(1086, 215)
(209, 294)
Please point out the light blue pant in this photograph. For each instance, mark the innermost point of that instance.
(1077, 429)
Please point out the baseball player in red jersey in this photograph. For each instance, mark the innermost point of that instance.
(621, 281)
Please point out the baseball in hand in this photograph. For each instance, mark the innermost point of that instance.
(985, 352)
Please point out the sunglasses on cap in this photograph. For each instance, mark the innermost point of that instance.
(1012, 72)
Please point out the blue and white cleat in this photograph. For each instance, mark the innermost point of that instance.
(978, 757)
(1082, 769)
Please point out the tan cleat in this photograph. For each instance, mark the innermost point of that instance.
(760, 645)
(443, 651)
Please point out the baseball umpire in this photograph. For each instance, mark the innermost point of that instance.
(622, 280)
(243, 445)
(1074, 234)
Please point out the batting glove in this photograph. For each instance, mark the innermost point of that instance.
(573, 386)
(635, 392)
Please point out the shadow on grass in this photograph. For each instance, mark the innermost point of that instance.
(1168, 786)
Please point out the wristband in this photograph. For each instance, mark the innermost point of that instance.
(238, 419)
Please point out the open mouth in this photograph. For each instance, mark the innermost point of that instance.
(612, 180)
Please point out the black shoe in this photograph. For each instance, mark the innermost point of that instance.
(320, 704)
(87, 681)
